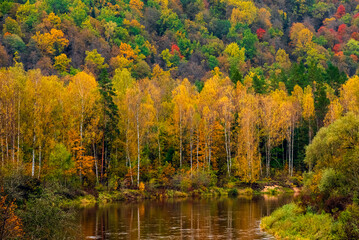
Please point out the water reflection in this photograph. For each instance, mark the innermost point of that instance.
(222, 218)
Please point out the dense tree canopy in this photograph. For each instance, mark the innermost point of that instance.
(126, 90)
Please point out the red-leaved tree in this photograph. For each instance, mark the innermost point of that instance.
(260, 33)
(340, 12)
(175, 50)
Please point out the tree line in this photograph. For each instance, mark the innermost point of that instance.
(95, 128)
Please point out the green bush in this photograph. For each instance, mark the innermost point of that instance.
(43, 218)
(248, 191)
(233, 192)
(329, 181)
(349, 223)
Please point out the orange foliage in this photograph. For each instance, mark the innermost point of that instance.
(336, 48)
(355, 36)
(10, 224)
(354, 57)
(51, 42)
(136, 6)
(83, 163)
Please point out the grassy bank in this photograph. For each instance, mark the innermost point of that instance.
(293, 222)
(103, 196)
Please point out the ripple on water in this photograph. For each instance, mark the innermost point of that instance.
(188, 219)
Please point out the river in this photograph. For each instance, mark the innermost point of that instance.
(214, 218)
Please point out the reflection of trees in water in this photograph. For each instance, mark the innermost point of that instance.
(223, 218)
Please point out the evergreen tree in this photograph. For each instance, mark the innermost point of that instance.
(110, 118)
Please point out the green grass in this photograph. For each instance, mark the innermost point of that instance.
(83, 201)
(292, 222)
(107, 197)
(175, 194)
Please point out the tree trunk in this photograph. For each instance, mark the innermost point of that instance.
(7, 148)
(197, 148)
(103, 154)
(33, 157)
(191, 148)
(180, 136)
(158, 141)
(209, 152)
(310, 132)
(138, 148)
(18, 132)
(227, 150)
(38, 176)
(268, 156)
(2, 153)
(13, 145)
(292, 150)
(95, 158)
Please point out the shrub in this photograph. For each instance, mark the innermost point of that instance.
(44, 219)
(230, 184)
(233, 192)
(349, 223)
(141, 187)
(248, 191)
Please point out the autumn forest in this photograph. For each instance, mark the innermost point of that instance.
(171, 94)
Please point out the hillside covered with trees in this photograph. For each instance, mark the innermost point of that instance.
(167, 94)
(233, 87)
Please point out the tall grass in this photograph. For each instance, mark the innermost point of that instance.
(292, 222)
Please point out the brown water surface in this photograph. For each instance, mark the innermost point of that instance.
(215, 218)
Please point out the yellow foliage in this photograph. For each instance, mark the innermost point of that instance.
(248, 80)
(304, 39)
(127, 52)
(308, 103)
(120, 62)
(247, 160)
(295, 29)
(62, 63)
(335, 111)
(48, 43)
(55, 20)
(282, 58)
(141, 186)
(157, 71)
(283, 14)
(264, 16)
(328, 20)
(298, 93)
(244, 12)
(136, 6)
(133, 23)
(235, 54)
(349, 95)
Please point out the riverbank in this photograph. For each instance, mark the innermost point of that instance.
(294, 222)
(103, 197)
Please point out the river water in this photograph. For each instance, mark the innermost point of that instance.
(214, 218)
